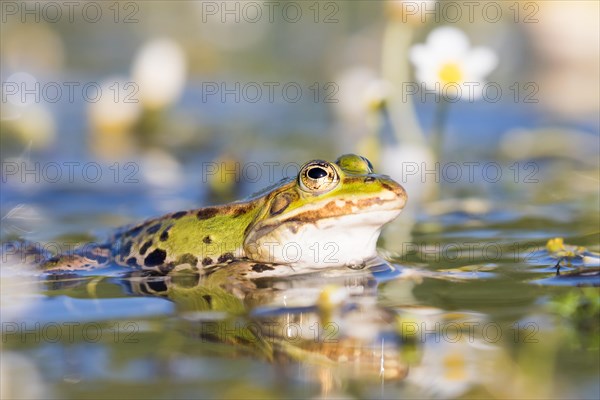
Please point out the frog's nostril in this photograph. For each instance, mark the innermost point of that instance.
(369, 179)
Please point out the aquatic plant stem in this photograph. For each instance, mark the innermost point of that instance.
(395, 69)
(438, 128)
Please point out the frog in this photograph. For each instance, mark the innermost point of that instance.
(329, 215)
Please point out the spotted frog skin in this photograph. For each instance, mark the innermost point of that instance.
(330, 215)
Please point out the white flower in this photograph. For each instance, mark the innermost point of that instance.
(448, 64)
(159, 70)
(454, 359)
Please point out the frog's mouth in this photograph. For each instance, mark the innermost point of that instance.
(381, 210)
(342, 208)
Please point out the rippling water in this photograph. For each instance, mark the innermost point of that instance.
(473, 308)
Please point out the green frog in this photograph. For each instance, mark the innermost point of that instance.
(329, 215)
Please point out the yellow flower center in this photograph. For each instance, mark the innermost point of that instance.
(450, 73)
(455, 367)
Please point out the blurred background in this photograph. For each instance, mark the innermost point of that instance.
(487, 112)
(185, 102)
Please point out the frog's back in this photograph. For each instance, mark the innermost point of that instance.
(200, 237)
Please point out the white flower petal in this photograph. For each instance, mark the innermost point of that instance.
(447, 64)
(448, 40)
(427, 62)
(479, 62)
(428, 76)
(420, 56)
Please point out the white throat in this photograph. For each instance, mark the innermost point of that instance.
(329, 242)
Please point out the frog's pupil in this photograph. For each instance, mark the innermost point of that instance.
(316, 173)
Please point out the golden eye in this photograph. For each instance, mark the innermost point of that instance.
(318, 177)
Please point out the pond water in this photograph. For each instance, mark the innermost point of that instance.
(472, 307)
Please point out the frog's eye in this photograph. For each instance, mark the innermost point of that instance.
(318, 177)
(355, 164)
